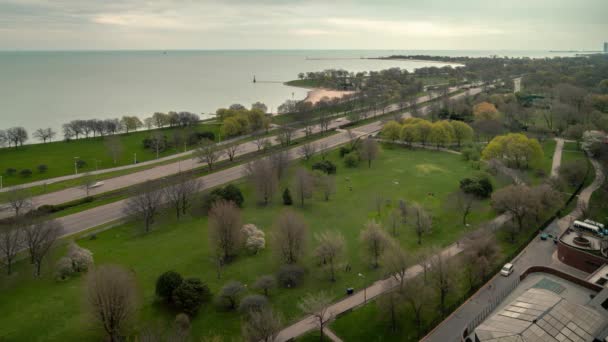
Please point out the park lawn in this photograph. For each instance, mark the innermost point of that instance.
(32, 306)
(59, 156)
(538, 175)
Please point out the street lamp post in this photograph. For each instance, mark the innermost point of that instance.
(364, 289)
(76, 165)
(134, 158)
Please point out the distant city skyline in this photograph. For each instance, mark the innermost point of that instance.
(301, 24)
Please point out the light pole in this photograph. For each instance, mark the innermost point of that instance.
(76, 165)
(96, 164)
(134, 158)
(364, 289)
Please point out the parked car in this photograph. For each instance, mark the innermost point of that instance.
(507, 269)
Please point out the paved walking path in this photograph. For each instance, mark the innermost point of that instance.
(332, 336)
(537, 253)
(557, 157)
(74, 193)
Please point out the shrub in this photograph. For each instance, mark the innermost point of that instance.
(351, 159)
(167, 283)
(80, 163)
(190, 295)
(25, 173)
(63, 268)
(11, 171)
(229, 193)
(480, 186)
(287, 200)
(254, 238)
(82, 258)
(229, 295)
(325, 166)
(344, 151)
(42, 168)
(253, 303)
(290, 276)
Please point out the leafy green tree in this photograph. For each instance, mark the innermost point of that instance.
(514, 149)
(190, 295)
(462, 132)
(167, 283)
(391, 130)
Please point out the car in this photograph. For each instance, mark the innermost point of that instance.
(96, 185)
(507, 269)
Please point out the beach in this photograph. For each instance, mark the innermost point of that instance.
(317, 94)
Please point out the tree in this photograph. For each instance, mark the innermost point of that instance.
(190, 295)
(374, 241)
(462, 132)
(514, 149)
(265, 283)
(144, 203)
(285, 136)
(485, 111)
(290, 236)
(280, 162)
(287, 197)
(225, 228)
(208, 152)
(392, 130)
(112, 298)
(158, 142)
(420, 221)
(441, 133)
(180, 194)
(19, 199)
(330, 247)
(114, 147)
(17, 136)
(416, 295)
(316, 305)
(261, 326)
(11, 241)
(409, 134)
(573, 173)
(394, 221)
(441, 278)
(396, 262)
(390, 305)
(231, 151)
(463, 203)
(480, 253)
(255, 238)
(253, 303)
(167, 283)
(303, 184)
(423, 131)
(517, 200)
(260, 141)
(262, 175)
(44, 134)
(39, 238)
(369, 151)
(325, 183)
(87, 181)
(307, 150)
(259, 106)
(231, 293)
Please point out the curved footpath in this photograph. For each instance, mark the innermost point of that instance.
(74, 193)
(536, 253)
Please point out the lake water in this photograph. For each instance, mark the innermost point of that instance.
(47, 89)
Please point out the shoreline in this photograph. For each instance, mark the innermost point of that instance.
(315, 95)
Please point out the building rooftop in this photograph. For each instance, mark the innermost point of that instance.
(550, 311)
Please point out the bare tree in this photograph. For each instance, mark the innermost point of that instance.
(280, 162)
(325, 183)
(441, 278)
(480, 252)
(307, 150)
(518, 201)
(285, 136)
(114, 147)
(375, 240)
(369, 151)
(353, 139)
(225, 228)
(39, 238)
(316, 305)
(261, 326)
(421, 221)
(323, 150)
(87, 181)
(144, 203)
(231, 151)
(290, 236)
(11, 241)
(303, 185)
(262, 175)
(260, 141)
(44, 134)
(330, 247)
(180, 194)
(416, 296)
(396, 262)
(324, 121)
(265, 283)
(390, 305)
(19, 199)
(394, 221)
(158, 142)
(111, 295)
(463, 203)
(208, 152)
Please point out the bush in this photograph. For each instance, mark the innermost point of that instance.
(80, 163)
(82, 258)
(344, 151)
(253, 303)
(196, 137)
(11, 171)
(325, 166)
(351, 159)
(190, 295)
(42, 168)
(290, 276)
(63, 268)
(255, 239)
(265, 283)
(287, 200)
(167, 283)
(50, 208)
(229, 193)
(480, 186)
(25, 173)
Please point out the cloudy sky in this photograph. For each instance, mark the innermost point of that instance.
(303, 24)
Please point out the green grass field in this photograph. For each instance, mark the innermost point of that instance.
(59, 155)
(31, 306)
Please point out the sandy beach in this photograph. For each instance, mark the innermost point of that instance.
(317, 94)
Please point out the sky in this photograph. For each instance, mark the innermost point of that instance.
(303, 24)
